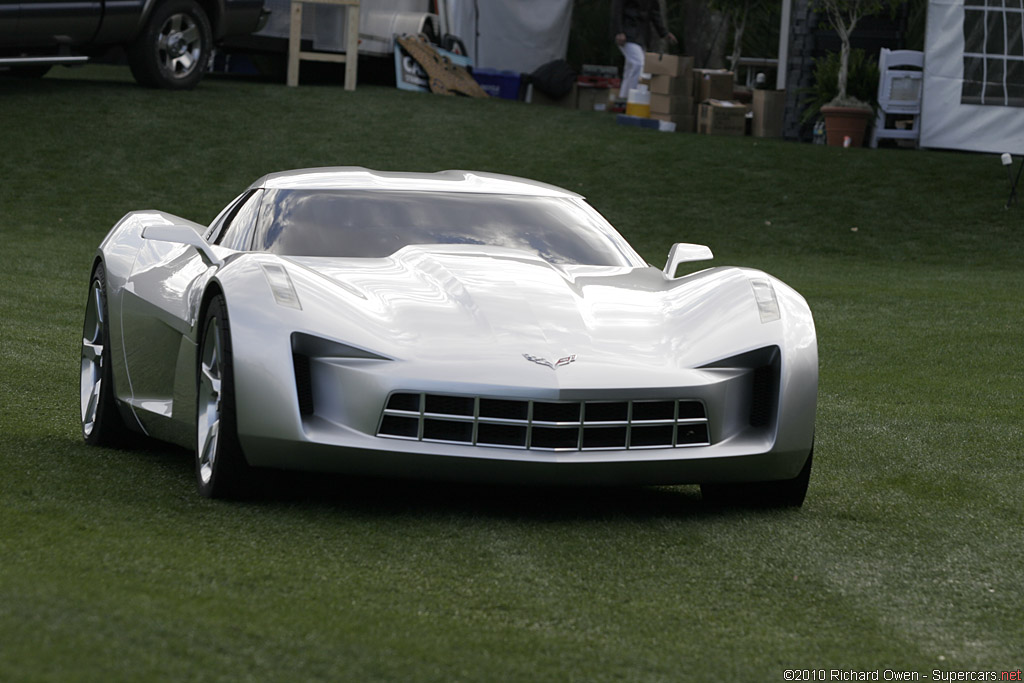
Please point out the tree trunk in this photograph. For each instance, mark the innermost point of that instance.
(704, 34)
(662, 43)
(844, 26)
(739, 23)
(844, 67)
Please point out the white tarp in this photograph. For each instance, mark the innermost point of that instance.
(974, 76)
(512, 36)
(379, 20)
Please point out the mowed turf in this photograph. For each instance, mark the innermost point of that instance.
(907, 555)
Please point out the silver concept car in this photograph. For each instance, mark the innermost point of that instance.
(454, 325)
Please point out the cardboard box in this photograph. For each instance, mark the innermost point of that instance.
(656, 63)
(712, 84)
(769, 108)
(721, 117)
(672, 85)
(590, 98)
(671, 104)
(685, 123)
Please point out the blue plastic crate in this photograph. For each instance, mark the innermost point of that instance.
(503, 84)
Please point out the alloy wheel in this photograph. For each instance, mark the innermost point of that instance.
(179, 46)
(92, 357)
(209, 400)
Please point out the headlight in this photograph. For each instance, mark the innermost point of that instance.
(281, 285)
(767, 302)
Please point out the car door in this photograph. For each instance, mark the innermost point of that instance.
(45, 23)
(159, 308)
(8, 23)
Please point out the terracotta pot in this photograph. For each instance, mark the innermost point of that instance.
(841, 122)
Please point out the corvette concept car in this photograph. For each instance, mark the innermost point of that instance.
(453, 325)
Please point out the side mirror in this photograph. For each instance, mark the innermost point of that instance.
(182, 234)
(681, 252)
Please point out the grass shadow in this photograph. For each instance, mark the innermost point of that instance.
(378, 496)
(400, 496)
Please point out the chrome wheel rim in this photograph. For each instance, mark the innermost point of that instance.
(92, 358)
(179, 46)
(210, 373)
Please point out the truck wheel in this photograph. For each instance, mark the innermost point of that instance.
(174, 47)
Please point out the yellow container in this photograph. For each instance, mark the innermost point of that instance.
(639, 102)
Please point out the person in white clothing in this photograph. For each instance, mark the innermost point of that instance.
(632, 21)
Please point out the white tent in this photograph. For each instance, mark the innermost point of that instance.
(974, 76)
(514, 36)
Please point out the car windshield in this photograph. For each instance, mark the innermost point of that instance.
(376, 223)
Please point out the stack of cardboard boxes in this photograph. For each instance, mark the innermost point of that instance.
(671, 89)
(701, 100)
(693, 99)
(717, 113)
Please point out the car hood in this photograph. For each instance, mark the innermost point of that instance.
(482, 303)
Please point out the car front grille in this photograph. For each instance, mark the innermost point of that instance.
(545, 425)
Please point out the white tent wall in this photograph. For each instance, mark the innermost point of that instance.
(948, 122)
(514, 36)
(325, 24)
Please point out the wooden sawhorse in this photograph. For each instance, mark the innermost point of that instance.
(351, 55)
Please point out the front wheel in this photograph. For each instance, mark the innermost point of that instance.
(785, 493)
(174, 46)
(101, 422)
(221, 469)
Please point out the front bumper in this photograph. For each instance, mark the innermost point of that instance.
(758, 425)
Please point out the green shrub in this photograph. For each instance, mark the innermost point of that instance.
(862, 82)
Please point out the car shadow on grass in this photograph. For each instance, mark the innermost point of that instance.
(399, 496)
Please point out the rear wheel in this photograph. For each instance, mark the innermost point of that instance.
(221, 469)
(785, 493)
(174, 47)
(101, 423)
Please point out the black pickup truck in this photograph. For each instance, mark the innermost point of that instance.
(168, 42)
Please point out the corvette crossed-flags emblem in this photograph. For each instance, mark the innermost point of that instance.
(553, 365)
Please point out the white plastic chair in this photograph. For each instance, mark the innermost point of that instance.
(899, 94)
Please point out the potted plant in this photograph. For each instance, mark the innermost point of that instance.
(846, 115)
(861, 85)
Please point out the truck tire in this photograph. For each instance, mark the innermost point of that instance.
(174, 47)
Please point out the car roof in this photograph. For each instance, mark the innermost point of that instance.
(358, 178)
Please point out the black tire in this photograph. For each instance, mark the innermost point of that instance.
(174, 47)
(101, 422)
(774, 494)
(221, 468)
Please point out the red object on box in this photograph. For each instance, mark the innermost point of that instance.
(599, 81)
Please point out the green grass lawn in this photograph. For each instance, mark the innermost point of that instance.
(907, 554)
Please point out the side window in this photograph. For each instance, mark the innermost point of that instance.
(238, 229)
(270, 225)
(216, 229)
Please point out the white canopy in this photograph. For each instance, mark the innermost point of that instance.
(514, 36)
(974, 76)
